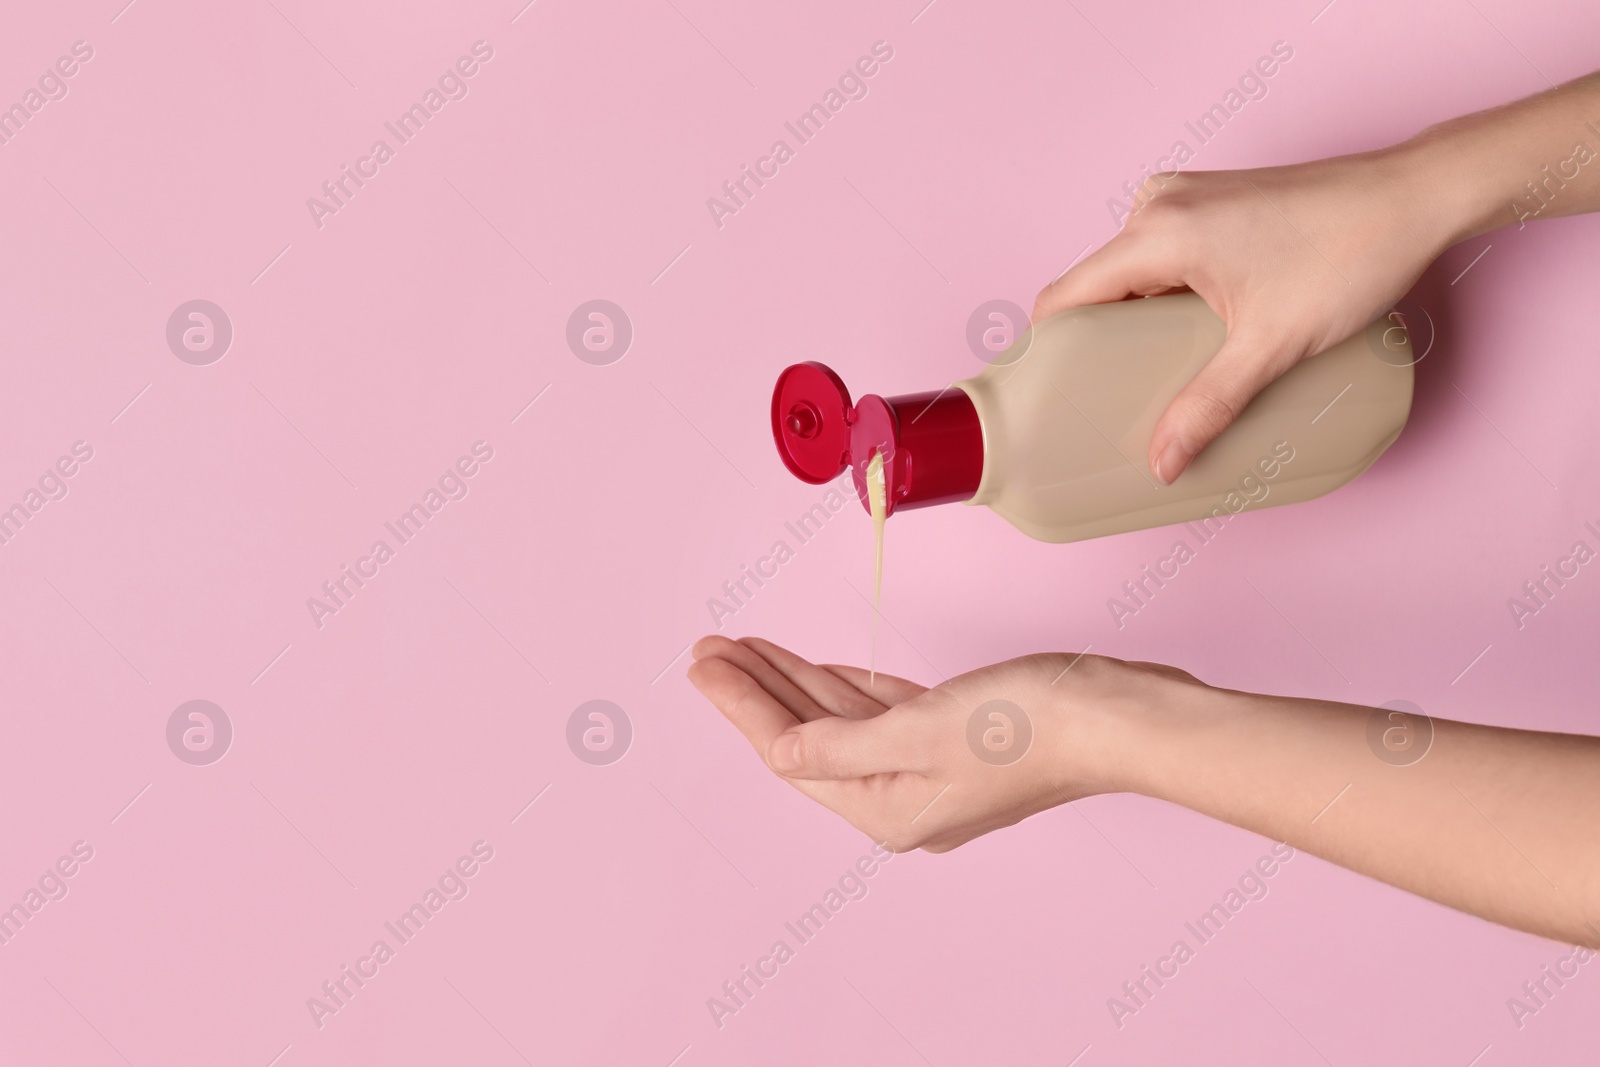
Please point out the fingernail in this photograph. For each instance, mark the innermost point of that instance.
(784, 753)
(1172, 461)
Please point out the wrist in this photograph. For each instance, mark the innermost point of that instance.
(1446, 192)
(1148, 750)
(1127, 726)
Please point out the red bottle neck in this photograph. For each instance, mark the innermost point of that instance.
(932, 443)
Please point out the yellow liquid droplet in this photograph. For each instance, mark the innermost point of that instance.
(878, 501)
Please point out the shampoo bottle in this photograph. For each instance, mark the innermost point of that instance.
(1054, 433)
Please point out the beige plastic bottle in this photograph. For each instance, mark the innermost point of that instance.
(1054, 434)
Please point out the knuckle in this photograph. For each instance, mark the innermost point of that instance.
(1174, 182)
(826, 747)
(896, 835)
(1159, 205)
(882, 832)
(805, 750)
(1211, 412)
(898, 839)
(1070, 669)
(1041, 301)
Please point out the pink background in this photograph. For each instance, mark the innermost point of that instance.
(369, 754)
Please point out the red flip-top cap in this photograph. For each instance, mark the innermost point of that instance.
(932, 443)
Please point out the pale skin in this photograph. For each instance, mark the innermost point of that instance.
(1295, 259)
(1500, 823)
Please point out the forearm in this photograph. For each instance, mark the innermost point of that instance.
(1503, 824)
(1533, 159)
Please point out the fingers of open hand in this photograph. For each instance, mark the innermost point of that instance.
(908, 775)
(754, 711)
(796, 700)
(882, 805)
(832, 692)
(883, 688)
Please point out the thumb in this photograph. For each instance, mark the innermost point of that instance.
(834, 748)
(1210, 403)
